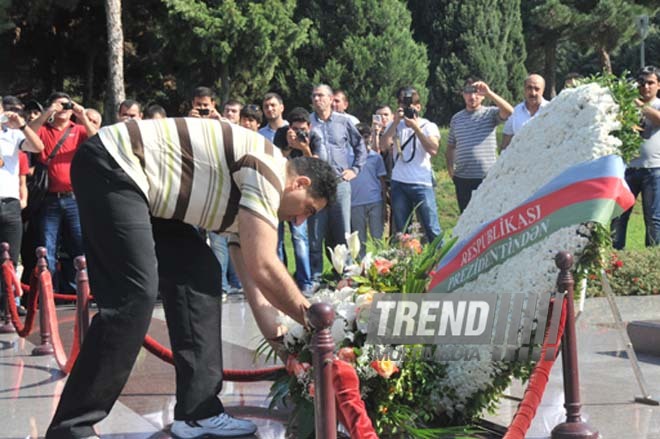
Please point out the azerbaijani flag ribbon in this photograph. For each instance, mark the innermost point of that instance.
(593, 191)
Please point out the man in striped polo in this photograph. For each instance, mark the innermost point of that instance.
(472, 144)
(143, 187)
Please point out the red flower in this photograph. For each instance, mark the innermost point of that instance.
(635, 280)
(618, 263)
(295, 367)
(312, 390)
(347, 355)
(384, 368)
(414, 245)
(383, 265)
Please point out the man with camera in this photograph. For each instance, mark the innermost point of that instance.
(414, 140)
(297, 140)
(203, 104)
(61, 138)
(472, 144)
(129, 109)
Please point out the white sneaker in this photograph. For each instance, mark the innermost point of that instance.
(222, 425)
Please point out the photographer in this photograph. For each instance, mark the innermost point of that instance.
(296, 140)
(415, 140)
(203, 104)
(61, 138)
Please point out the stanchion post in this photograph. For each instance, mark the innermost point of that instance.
(6, 327)
(46, 347)
(82, 296)
(321, 316)
(574, 427)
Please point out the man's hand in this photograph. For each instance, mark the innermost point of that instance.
(14, 120)
(411, 123)
(213, 114)
(79, 111)
(482, 88)
(348, 174)
(295, 143)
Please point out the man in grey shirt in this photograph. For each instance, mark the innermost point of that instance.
(643, 173)
(339, 137)
(472, 145)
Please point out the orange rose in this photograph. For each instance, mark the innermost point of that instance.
(295, 367)
(383, 265)
(414, 245)
(347, 355)
(384, 368)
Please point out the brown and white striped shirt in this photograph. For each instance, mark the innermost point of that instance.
(199, 171)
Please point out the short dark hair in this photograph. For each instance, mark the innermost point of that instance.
(128, 103)
(232, 102)
(34, 106)
(153, 110)
(57, 95)
(252, 111)
(298, 114)
(324, 178)
(12, 103)
(649, 70)
(203, 92)
(270, 95)
(415, 94)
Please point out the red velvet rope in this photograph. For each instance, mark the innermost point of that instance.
(538, 381)
(58, 296)
(48, 306)
(264, 374)
(12, 289)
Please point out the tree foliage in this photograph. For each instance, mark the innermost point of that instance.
(363, 46)
(480, 38)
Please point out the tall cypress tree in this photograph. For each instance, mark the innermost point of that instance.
(363, 46)
(480, 38)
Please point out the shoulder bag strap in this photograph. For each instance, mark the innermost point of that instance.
(59, 144)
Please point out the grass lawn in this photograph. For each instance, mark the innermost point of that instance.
(448, 209)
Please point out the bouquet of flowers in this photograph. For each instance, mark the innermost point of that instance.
(405, 394)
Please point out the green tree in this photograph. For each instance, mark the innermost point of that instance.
(480, 38)
(363, 46)
(237, 45)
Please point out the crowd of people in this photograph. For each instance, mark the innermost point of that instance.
(159, 206)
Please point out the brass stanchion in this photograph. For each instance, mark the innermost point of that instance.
(46, 346)
(321, 317)
(574, 427)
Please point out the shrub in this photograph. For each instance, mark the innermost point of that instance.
(631, 273)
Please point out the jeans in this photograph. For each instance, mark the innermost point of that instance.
(464, 188)
(303, 274)
(647, 182)
(11, 230)
(371, 215)
(130, 258)
(407, 198)
(55, 212)
(331, 224)
(221, 252)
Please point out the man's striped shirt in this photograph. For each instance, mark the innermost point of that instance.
(200, 171)
(473, 134)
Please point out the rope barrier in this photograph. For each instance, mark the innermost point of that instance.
(538, 381)
(13, 289)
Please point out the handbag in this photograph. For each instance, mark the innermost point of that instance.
(37, 184)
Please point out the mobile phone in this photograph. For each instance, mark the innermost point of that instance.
(377, 118)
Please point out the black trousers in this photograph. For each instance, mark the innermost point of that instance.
(11, 229)
(464, 188)
(130, 257)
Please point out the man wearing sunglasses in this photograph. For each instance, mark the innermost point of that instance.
(643, 173)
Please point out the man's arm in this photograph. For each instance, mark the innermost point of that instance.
(359, 152)
(506, 139)
(32, 141)
(269, 276)
(429, 143)
(651, 114)
(82, 119)
(505, 108)
(449, 157)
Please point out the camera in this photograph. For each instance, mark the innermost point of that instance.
(302, 135)
(408, 111)
(67, 105)
(377, 119)
(203, 111)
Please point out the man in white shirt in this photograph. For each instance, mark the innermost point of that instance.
(527, 109)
